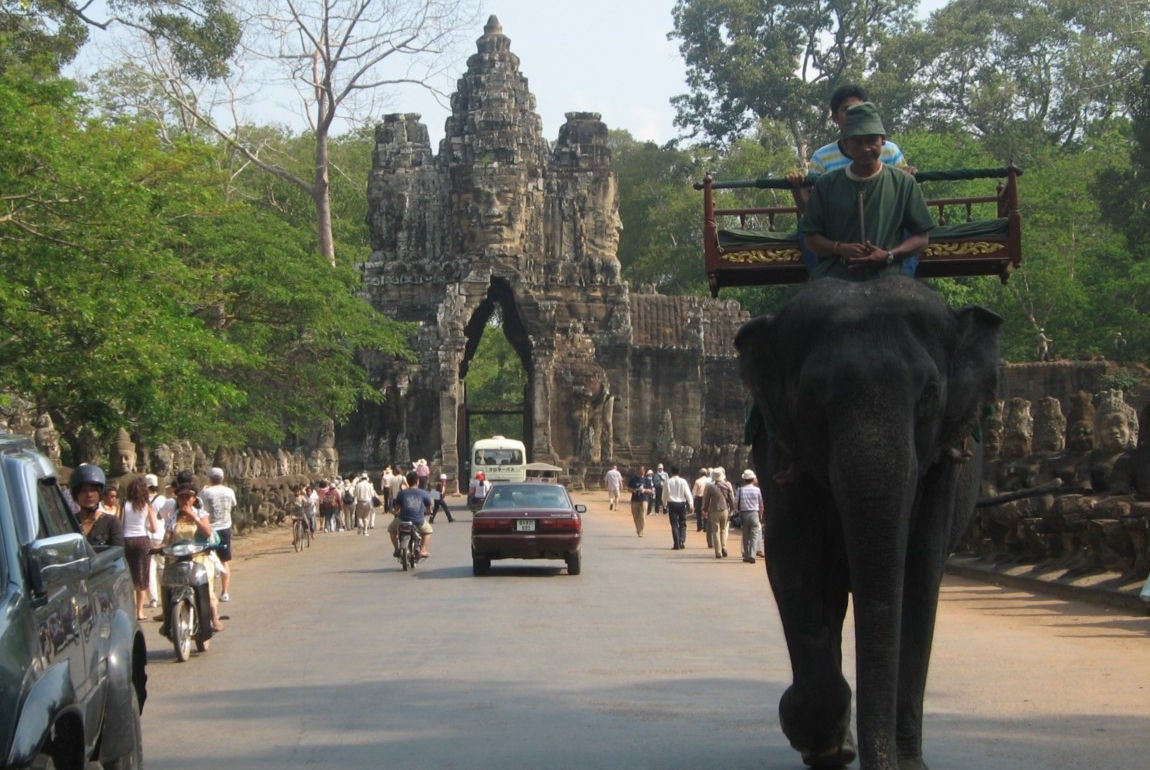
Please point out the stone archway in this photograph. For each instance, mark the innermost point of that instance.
(500, 295)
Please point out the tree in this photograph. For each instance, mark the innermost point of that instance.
(335, 58)
(661, 241)
(748, 61)
(135, 295)
(1016, 72)
(45, 34)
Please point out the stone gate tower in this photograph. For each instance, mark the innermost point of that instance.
(500, 218)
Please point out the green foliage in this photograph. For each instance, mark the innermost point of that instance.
(136, 295)
(37, 39)
(660, 212)
(1122, 379)
(1015, 72)
(495, 376)
(748, 61)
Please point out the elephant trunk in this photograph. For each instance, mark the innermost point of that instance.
(873, 472)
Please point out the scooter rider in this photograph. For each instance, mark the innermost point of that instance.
(411, 504)
(87, 485)
(194, 523)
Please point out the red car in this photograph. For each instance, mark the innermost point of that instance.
(531, 520)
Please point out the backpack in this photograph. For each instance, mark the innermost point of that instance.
(348, 497)
(329, 502)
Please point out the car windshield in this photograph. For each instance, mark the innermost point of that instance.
(527, 497)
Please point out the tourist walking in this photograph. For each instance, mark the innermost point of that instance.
(648, 480)
(718, 502)
(330, 504)
(614, 481)
(439, 498)
(219, 501)
(364, 494)
(139, 522)
(155, 560)
(679, 504)
(697, 490)
(749, 503)
(661, 478)
(638, 501)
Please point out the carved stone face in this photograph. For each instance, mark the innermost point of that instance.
(1080, 436)
(495, 215)
(1115, 434)
(992, 447)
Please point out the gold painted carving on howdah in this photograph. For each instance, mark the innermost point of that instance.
(963, 249)
(758, 257)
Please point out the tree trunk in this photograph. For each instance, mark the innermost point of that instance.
(321, 194)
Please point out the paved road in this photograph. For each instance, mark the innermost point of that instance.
(651, 658)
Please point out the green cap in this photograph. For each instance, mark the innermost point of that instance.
(863, 120)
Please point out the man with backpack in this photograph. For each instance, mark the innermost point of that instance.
(330, 504)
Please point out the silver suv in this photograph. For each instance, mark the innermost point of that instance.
(72, 656)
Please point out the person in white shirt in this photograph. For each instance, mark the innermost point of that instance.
(364, 493)
(219, 501)
(614, 481)
(697, 491)
(679, 504)
(158, 501)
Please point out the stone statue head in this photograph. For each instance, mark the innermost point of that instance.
(993, 430)
(1115, 423)
(1018, 429)
(1049, 426)
(1080, 423)
(161, 460)
(123, 454)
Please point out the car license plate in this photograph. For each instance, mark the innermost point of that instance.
(525, 525)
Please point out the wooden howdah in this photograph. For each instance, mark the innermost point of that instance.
(745, 247)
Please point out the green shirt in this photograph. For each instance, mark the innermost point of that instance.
(893, 206)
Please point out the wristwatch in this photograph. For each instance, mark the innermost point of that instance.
(890, 257)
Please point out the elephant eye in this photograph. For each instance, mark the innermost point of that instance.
(928, 400)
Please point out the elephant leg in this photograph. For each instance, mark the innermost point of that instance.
(808, 576)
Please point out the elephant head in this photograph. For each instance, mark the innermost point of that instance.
(871, 393)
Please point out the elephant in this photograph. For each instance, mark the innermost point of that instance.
(869, 452)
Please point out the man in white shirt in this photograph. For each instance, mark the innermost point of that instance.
(219, 501)
(363, 492)
(679, 504)
(614, 481)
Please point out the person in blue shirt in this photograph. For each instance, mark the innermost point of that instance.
(412, 504)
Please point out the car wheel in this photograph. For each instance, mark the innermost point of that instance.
(480, 565)
(574, 563)
(135, 758)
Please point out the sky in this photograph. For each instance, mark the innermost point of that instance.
(607, 56)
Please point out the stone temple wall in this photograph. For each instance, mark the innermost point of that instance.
(501, 220)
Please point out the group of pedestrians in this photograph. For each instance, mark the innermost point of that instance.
(148, 518)
(713, 500)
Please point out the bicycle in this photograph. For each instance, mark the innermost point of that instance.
(300, 533)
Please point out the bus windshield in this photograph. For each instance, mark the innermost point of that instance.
(498, 457)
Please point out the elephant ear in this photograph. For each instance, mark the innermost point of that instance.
(973, 380)
(761, 366)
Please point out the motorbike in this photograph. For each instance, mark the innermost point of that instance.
(410, 544)
(186, 598)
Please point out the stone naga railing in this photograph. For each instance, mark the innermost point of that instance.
(1098, 520)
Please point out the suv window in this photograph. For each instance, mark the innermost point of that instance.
(55, 518)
